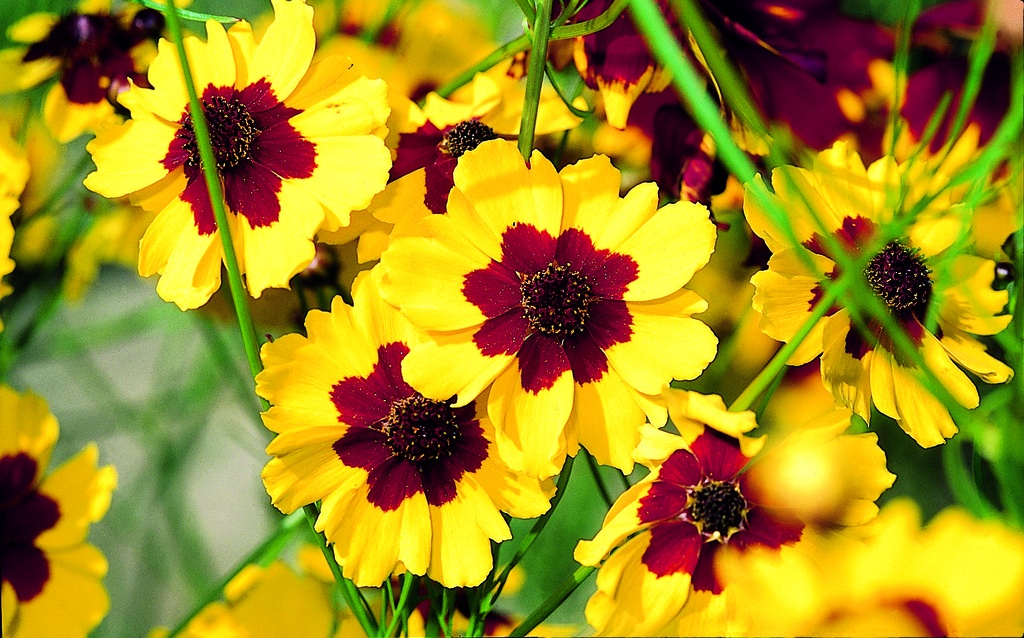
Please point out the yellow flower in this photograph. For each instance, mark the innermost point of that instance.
(404, 480)
(956, 577)
(564, 295)
(94, 52)
(920, 277)
(51, 575)
(14, 170)
(705, 498)
(298, 147)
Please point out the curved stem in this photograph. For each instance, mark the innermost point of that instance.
(596, 472)
(535, 77)
(262, 555)
(538, 527)
(407, 582)
(554, 601)
(213, 185)
(520, 44)
(360, 609)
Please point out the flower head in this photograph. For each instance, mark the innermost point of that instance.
(404, 479)
(297, 148)
(565, 296)
(955, 577)
(95, 55)
(841, 205)
(695, 503)
(51, 575)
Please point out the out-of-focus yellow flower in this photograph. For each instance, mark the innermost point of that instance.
(956, 577)
(52, 577)
(14, 171)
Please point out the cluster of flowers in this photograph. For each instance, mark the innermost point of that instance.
(501, 310)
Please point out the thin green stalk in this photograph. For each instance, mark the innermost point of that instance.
(403, 598)
(778, 363)
(535, 77)
(595, 471)
(520, 44)
(353, 598)
(213, 185)
(538, 527)
(960, 481)
(193, 16)
(262, 555)
(651, 23)
(603, 21)
(553, 601)
(734, 88)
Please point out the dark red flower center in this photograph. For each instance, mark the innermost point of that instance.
(419, 429)
(717, 508)
(24, 515)
(232, 132)
(466, 136)
(900, 278)
(556, 301)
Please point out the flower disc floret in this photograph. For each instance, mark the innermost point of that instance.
(466, 136)
(717, 508)
(421, 429)
(556, 301)
(900, 277)
(232, 132)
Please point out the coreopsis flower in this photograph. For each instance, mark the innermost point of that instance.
(52, 577)
(404, 480)
(955, 577)
(432, 140)
(564, 295)
(95, 53)
(915, 275)
(297, 147)
(616, 62)
(669, 527)
(14, 170)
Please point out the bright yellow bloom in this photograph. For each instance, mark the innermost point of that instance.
(920, 276)
(51, 575)
(956, 577)
(564, 295)
(14, 170)
(298, 146)
(405, 481)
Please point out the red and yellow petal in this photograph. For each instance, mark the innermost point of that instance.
(664, 267)
(845, 374)
(463, 530)
(530, 425)
(286, 50)
(606, 420)
(82, 492)
(74, 599)
(129, 158)
(29, 427)
(667, 343)
(451, 364)
(504, 191)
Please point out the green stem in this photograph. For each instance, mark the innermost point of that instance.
(535, 77)
(775, 367)
(262, 555)
(538, 527)
(407, 582)
(960, 481)
(213, 185)
(360, 609)
(554, 601)
(593, 25)
(520, 44)
(194, 16)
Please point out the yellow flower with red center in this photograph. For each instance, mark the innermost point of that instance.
(707, 496)
(920, 276)
(51, 575)
(297, 146)
(564, 295)
(95, 53)
(404, 480)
